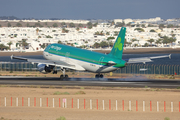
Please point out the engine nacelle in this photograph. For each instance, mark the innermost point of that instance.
(43, 68)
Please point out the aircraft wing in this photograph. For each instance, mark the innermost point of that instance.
(49, 62)
(145, 59)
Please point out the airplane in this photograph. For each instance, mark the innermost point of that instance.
(68, 57)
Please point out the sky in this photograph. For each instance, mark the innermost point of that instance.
(91, 9)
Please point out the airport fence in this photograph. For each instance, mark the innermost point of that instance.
(91, 104)
(129, 69)
(150, 69)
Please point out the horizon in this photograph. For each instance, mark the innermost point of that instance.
(16, 18)
(93, 9)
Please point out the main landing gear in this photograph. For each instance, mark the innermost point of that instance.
(99, 75)
(63, 76)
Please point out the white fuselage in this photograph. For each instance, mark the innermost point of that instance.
(79, 64)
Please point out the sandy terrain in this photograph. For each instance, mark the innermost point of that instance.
(119, 94)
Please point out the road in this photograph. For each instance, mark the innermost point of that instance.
(141, 83)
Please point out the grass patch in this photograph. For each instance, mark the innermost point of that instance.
(51, 87)
(178, 87)
(32, 86)
(61, 118)
(166, 118)
(59, 93)
(3, 85)
(81, 87)
(66, 93)
(80, 92)
(103, 88)
(146, 86)
(63, 87)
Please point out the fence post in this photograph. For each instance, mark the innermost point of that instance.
(123, 105)
(28, 102)
(40, 102)
(129, 105)
(97, 104)
(109, 104)
(179, 106)
(5, 101)
(157, 106)
(53, 102)
(84, 103)
(72, 102)
(47, 102)
(136, 105)
(59, 102)
(103, 104)
(34, 101)
(116, 105)
(22, 101)
(17, 101)
(78, 103)
(11, 101)
(164, 106)
(143, 106)
(65, 103)
(90, 104)
(171, 106)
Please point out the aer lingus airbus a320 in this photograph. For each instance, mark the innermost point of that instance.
(67, 57)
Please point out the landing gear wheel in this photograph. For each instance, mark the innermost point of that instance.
(98, 76)
(101, 76)
(54, 72)
(61, 77)
(64, 77)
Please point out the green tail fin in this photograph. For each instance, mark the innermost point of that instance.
(117, 49)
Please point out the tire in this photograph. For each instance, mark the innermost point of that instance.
(101, 76)
(54, 72)
(66, 77)
(61, 77)
(96, 76)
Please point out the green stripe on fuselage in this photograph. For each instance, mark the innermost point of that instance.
(83, 55)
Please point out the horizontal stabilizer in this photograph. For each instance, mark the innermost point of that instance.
(145, 59)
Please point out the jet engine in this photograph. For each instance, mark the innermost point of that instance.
(43, 68)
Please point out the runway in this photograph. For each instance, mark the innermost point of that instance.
(138, 83)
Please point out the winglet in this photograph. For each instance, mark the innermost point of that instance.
(169, 56)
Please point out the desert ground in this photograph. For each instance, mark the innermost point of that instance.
(35, 112)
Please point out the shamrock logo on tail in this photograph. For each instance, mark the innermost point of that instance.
(118, 45)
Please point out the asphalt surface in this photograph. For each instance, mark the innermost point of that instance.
(104, 82)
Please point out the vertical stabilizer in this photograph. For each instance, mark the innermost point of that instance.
(117, 49)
